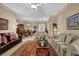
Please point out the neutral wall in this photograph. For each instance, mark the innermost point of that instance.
(50, 22)
(69, 10)
(10, 16)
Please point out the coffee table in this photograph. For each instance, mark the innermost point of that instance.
(43, 51)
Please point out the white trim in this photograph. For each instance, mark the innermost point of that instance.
(8, 9)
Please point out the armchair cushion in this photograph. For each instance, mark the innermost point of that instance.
(62, 37)
(62, 49)
(58, 45)
(61, 43)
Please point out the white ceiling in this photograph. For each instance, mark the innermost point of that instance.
(25, 12)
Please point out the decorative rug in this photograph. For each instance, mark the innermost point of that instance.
(31, 48)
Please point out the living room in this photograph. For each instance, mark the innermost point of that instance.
(16, 32)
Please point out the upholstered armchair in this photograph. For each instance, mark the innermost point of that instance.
(62, 46)
(73, 49)
(61, 38)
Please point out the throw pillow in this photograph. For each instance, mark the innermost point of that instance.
(12, 37)
(4, 39)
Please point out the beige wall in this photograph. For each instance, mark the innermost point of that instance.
(10, 16)
(69, 10)
(50, 22)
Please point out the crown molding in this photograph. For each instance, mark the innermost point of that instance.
(8, 9)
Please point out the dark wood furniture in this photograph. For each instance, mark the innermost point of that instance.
(9, 44)
(42, 51)
(20, 29)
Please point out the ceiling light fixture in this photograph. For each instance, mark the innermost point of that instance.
(34, 5)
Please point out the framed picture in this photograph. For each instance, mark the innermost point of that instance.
(72, 22)
(3, 24)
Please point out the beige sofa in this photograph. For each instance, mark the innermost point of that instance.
(73, 49)
(64, 40)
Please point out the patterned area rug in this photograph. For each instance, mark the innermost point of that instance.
(31, 48)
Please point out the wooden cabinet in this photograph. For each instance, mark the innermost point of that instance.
(20, 29)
